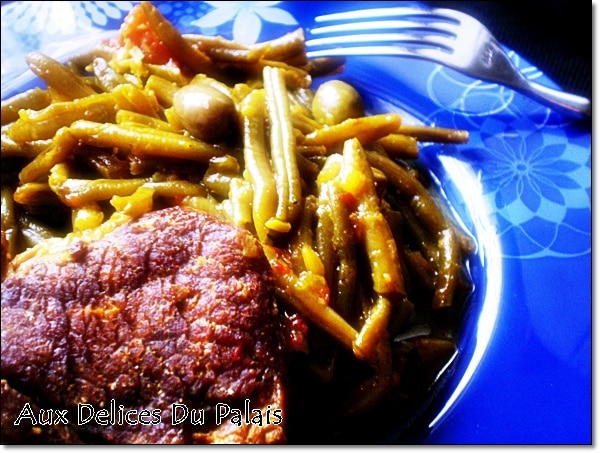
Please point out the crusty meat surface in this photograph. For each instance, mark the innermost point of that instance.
(172, 308)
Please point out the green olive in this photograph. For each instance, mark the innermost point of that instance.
(205, 112)
(336, 101)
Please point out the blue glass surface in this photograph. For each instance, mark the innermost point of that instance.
(521, 187)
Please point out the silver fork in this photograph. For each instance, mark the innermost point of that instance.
(445, 36)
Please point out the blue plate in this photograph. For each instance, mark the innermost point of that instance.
(521, 187)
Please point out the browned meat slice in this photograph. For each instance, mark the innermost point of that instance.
(163, 330)
(25, 431)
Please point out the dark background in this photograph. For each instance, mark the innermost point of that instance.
(553, 35)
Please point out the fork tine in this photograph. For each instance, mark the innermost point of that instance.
(431, 54)
(384, 12)
(364, 50)
(457, 17)
(421, 40)
(431, 25)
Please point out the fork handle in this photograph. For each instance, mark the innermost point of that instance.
(559, 100)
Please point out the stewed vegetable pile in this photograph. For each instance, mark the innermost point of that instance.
(370, 268)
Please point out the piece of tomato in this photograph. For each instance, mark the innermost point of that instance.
(137, 31)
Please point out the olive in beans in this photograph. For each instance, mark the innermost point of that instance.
(336, 101)
(205, 112)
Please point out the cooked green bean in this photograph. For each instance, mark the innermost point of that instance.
(176, 189)
(33, 231)
(219, 174)
(203, 203)
(131, 97)
(336, 243)
(125, 117)
(409, 188)
(374, 329)
(304, 258)
(434, 134)
(170, 73)
(28, 150)
(33, 99)
(106, 77)
(139, 202)
(10, 226)
(35, 194)
(420, 267)
(302, 121)
(60, 79)
(238, 205)
(283, 149)
(288, 48)
(448, 269)
(79, 192)
(366, 129)
(62, 146)
(43, 124)
(324, 237)
(356, 179)
(258, 168)
(433, 219)
(308, 169)
(163, 89)
(144, 141)
(400, 146)
(309, 301)
(183, 51)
